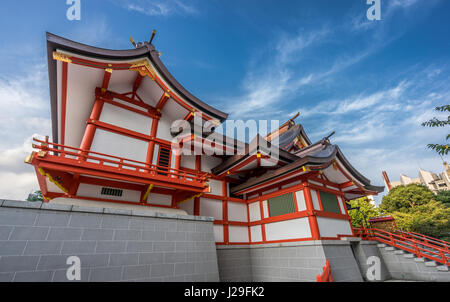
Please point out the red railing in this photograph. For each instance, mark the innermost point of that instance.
(427, 239)
(76, 155)
(326, 275)
(412, 245)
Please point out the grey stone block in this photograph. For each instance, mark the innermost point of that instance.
(39, 276)
(176, 236)
(56, 207)
(162, 246)
(52, 262)
(53, 219)
(18, 263)
(43, 247)
(17, 217)
(6, 277)
(162, 270)
(78, 247)
(29, 233)
(97, 234)
(139, 246)
(127, 235)
(92, 261)
(184, 268)
(175, 257)
(61, 276)
(123, 259)
(151, 258)
(106, 274)
(110, 246)
(153, 235)
(21, 204)
(141, 223)
(12, 247)
(85, 220)
(136, 272)
(5, 231)
(84, 209)
(115, 222)
(64, 234)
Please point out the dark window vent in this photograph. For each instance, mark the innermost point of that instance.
(164, 160)
(112, 192)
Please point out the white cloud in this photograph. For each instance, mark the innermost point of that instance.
(159, 8)
(25, 113)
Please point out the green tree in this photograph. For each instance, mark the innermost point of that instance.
(434, 122)
(431, 219)
(443, 196)
(364, 213)
(404, 198)
(36, 196)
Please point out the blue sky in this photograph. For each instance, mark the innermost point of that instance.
(373, 82)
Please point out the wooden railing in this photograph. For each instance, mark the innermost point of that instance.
(409, 243)
(69, 154)
(326, 275)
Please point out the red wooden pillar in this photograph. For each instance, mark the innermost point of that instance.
(198, 168)
(263, 226)
(310, 209)
(151, 144)
(90, 127)
(225, 213)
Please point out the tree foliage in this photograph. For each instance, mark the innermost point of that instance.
(434, 122)
(416, 209)
(364, 213)
(403, 198)
(431, 219)
(36, 196)
(443, 196)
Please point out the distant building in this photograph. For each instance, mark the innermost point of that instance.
(434, 182)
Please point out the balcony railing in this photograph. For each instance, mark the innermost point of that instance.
(76, 156)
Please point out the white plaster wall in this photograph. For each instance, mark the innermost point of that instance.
(126, 119)
(188, 206)
(155, 155)
(315, 183)
(270, 191)
(315, 199)
(119, 145)
(80, 100)
(188, 161)
(330, 227)
(211, 207)
(256, 233)
(291, 184)
(301, 203)
(163, 131)
(254, 211)
(216, 187)
(237, 211)
(209, 162)
(341, 204)
(51, 187)
(150, 92)
(289, 229)
(218, 233)
(159, 199)
(88, 190)
(238, 233)
(265, 209)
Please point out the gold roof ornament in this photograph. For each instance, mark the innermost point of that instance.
(61, 57)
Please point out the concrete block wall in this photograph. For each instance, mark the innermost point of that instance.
(113, 244)
(405, 266)
(288, 262)
(365, 249)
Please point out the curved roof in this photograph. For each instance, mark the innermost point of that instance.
(315, 157)
(287, 138)
(55, 42)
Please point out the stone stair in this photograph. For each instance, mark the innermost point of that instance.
(403, 265)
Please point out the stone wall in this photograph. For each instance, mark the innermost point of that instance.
(113, 244)
(287, 262)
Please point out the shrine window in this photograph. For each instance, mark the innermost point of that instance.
(281, 205)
